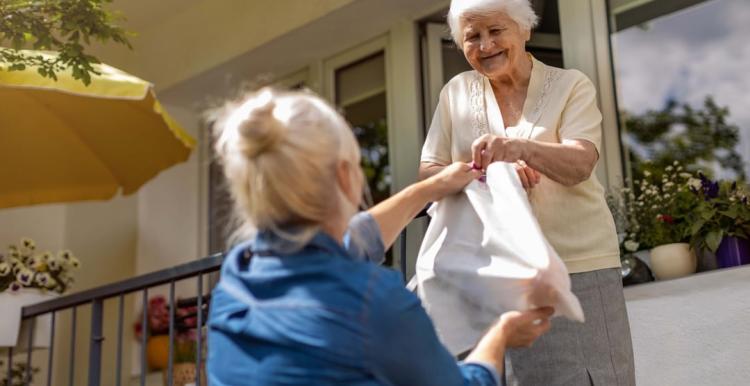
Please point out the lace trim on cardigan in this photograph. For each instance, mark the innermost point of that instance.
(478, 108)
(552, 74)
(480, 125)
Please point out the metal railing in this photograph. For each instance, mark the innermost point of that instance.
(95, 298)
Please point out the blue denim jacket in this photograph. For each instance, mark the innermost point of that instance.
(325, 315)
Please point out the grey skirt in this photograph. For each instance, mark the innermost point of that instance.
(598, 352)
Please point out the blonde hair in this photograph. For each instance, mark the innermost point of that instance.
(279, 151)
(518, 10)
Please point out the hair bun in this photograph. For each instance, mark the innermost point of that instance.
(260, 131)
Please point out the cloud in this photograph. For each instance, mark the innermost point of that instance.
(687, 55)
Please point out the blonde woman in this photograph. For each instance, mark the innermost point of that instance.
(514, 108)
(303, 301)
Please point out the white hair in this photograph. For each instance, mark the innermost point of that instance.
(279, 151)
(519, 11)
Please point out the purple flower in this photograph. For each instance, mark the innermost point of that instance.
(15, 286)
(712, 190)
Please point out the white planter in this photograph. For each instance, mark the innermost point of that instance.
(671, 261)
(13, 333)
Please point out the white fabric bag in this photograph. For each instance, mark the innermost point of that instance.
(484, 254)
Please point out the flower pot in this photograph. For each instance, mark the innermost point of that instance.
(157, 352)
(733, 252)
(13, 333)
(671, 261)
(183, 374)
(634, 271)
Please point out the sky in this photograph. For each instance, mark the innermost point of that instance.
(686, 55)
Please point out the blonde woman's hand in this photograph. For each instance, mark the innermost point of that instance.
(452, 179)
(522, 328)
(513, 329)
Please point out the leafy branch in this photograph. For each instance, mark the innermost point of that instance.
(64, 26)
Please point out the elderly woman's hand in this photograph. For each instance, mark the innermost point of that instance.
(529, 177)
(490, 148)
(451, 180)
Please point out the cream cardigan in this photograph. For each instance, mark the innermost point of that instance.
(560, 104)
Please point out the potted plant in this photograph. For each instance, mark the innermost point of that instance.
(660, 208)
(721, 220)
(27, 277)
(186, 351)
(634, 270)
(157, 333)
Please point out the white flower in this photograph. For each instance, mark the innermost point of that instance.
(43, 279)
(666, 195)
(654, 207)
(28, 243)
(65, 255)
(631, 246)
(647, 173)
(679, 168)
(25, 277)
(668, 169)
(27, 247)
(4, 269)
(675, 163)
(74, 262)
(668, 185)
(53, 264)
(695, 183)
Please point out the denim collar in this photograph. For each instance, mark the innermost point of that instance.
(267, 242)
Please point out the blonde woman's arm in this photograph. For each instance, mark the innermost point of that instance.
(395, 213)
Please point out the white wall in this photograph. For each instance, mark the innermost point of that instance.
(692, 331)
(44, 224)
(169, 208)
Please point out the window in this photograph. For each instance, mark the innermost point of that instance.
(360, 94)
(681, 76)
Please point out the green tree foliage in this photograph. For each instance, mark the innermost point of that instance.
(66, 27)
(695, 137)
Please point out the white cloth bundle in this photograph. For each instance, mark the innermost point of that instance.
(484, 254)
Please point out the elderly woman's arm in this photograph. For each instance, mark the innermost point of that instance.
(571, 160)
(569, 163)
(395, 213)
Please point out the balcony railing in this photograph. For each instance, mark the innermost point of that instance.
(196, 270)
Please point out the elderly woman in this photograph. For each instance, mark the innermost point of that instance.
(303, 302)
(514, 108)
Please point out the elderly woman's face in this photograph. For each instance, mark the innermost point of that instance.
(494, 44)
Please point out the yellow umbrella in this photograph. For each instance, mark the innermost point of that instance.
(62, 141)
